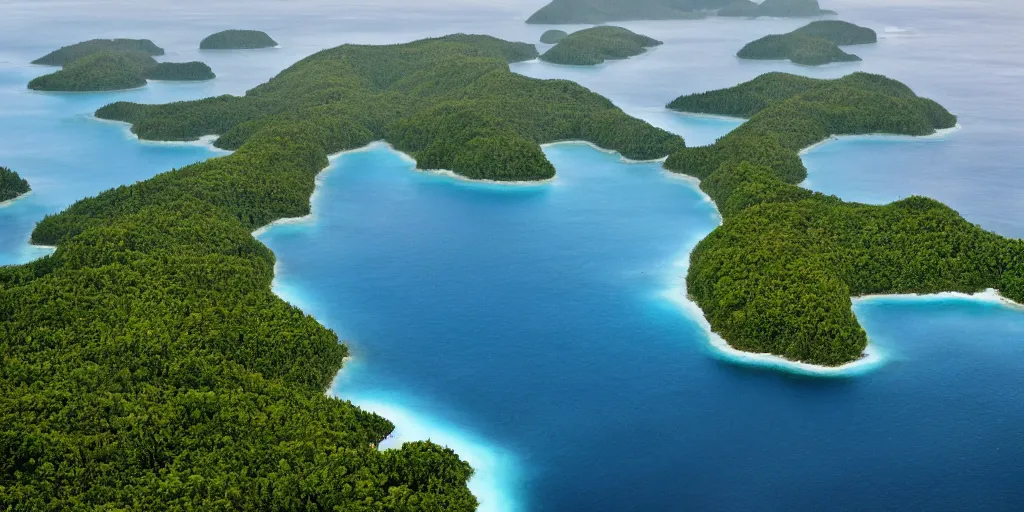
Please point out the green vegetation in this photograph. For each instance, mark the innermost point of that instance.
(779, 273)
(593, 46)
(740, 9)
(110, 65)
(603, 11)
(68, 54)
(237, 40)
(451, 103)
(180, 71)
(812, 45)
(146, 363)
(791, 8)
(103, 71)
(839, 32)
(11, 185)
(552, 36)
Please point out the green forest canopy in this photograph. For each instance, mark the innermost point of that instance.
(812, 45)
(595, 45)
(110, 65)
(11, 185)
(146, 363)
(552, 36)
(778, 275)
(68, 54)
(237, 40)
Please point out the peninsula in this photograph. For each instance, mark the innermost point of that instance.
(812, 45)
(11, 185)
(778, 275)
(237, 40)
(593, 46)
(205, 390)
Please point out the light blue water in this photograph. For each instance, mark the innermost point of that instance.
(537, 329)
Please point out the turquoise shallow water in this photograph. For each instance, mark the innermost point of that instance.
(538, 330)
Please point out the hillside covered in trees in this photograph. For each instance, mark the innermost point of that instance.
(779, 274)
(237, 40)
(146, 363)
(812, 45)
(112, 64)
(11, 185)
(451, 103)
(595, 45)
(68, 54)
(552, 36)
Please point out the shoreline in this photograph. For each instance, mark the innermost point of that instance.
(988, 295)
(623, 159)
(708, 116)
(938, 134)
(15, 199)
(205, 141)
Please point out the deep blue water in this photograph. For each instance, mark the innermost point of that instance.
(538, 329)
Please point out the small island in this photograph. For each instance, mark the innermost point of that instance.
(552, 36)
(560, 12)
(112, 65)
(68, 54)
(593, 46)
(778, 275)
(11, 185)
(237, 40)
(103, 71)
(813, 45)
(180, 71)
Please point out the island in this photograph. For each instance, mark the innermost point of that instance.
(180, 71)
(560, 12)
(11, 185)
(552, 36)
(778, 275)
(111, 65)
(68, 54)
(237, 40)
(155, 367)
(103, 71)
(813, 45)
(593, 46)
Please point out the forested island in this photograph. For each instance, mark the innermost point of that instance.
(791, 9)
(11, 185)
(112, 64)
(741, 8)
(68, 54)
(595, 45)
(778, 275)
(148, 365)
(552, 36)
(813, 45)
(237, 40)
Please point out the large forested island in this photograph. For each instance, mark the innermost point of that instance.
(778, 275)
(237, 40)
(812, 45)
(146, 363)
(110, 65)
(595, 45)
(11, 185)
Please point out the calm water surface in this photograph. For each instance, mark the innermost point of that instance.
(536, 329)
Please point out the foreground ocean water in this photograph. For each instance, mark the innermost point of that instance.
(541, 330)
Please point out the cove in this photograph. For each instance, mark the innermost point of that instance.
(529, 329)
